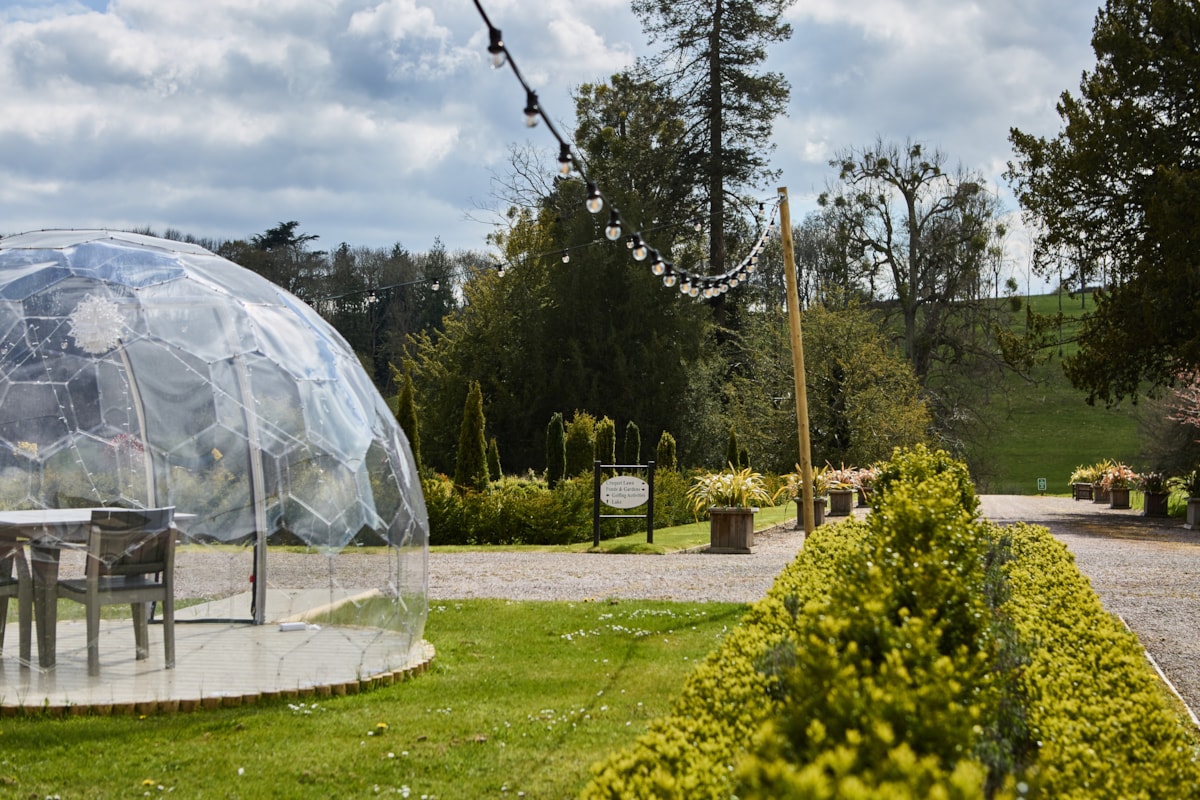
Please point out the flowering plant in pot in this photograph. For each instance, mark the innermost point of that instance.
(843, 487)
(1155, 491)
(1117, 480)
(731, 497)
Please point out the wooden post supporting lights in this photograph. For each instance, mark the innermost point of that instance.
(793, 305)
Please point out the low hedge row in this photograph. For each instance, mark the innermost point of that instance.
(526, 511)
(921, 653)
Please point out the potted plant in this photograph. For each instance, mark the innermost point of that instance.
(820, 489)
(1155, 491)
(1099, 491)
(864, 479)
(731, 498)
(842, 490)
(1116, 482)
(1189, 484)
(1081, 481)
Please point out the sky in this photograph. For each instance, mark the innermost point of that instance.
(377, 122)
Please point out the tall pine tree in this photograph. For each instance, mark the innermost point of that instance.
(470, 468)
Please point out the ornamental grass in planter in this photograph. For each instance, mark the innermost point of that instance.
(731, 498)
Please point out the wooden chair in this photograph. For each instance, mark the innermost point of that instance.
(20, 586)
(130, 559)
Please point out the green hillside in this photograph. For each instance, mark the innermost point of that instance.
(1044, 428)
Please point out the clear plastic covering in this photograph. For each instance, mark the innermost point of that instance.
(145, 373)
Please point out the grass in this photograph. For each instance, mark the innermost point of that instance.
(522, 697)
(1044, 428)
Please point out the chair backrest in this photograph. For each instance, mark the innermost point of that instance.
(130, 541)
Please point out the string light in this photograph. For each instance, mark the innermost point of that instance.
(692, 285)
(612, 231)
(594, 202)
(496, 47)
(531, 109)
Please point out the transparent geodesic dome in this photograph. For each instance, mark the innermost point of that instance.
(142, 372)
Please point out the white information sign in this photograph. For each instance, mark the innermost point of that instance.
(624, 491)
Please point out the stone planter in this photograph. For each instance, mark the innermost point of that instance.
(1156, 504)
(1193, 513)
(1082, 491)
(841, 502)
(1098, 494)
(1118, 497)
(731, 530)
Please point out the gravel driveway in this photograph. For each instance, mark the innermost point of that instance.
(1144, 570)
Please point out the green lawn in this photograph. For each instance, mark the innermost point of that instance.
(1044, 428)
(521, 698)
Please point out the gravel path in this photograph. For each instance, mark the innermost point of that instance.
(1145, 571)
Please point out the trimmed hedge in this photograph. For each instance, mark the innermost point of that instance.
(921, 653)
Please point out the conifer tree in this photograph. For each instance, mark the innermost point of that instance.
(664, 453)
(470, 468)
(406, 410)
(633, 443)
(493, 460)
(606, 441)
(580, 444)
(733, 453)
(556, 450)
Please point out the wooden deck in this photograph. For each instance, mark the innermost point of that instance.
(220, 661)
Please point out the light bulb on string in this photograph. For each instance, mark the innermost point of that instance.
(657, 265)
(496, 48)
(685, 286)
(733, 282)
(698, 225)
(742, 276)
(435, 285)
(640, 251)
(500, 270)
(531, 109)
(669, 279)
(564, 159)
(566, 257)
(612, 231)
(595, 202)
(629, 243)
(694, 292)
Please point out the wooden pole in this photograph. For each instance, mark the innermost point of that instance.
(793, 304)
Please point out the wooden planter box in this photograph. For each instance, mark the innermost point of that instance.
(1098, 494)
(1118, 498)
(731, 530)
(1083, 491)
(1156, 504)
(841, 502)
(818, 512)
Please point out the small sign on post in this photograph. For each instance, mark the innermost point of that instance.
(1042, 485)
(623, 492)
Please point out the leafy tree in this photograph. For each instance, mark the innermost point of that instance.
(863, 398)
(598, 332)
(470, 469)
(580, 444)
(406, 411)
(920, 233)
(712, 51)
(606, 441)
(556, 450)
(1118, 189)
(493, 460)
(633, 444)
(664, 452)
